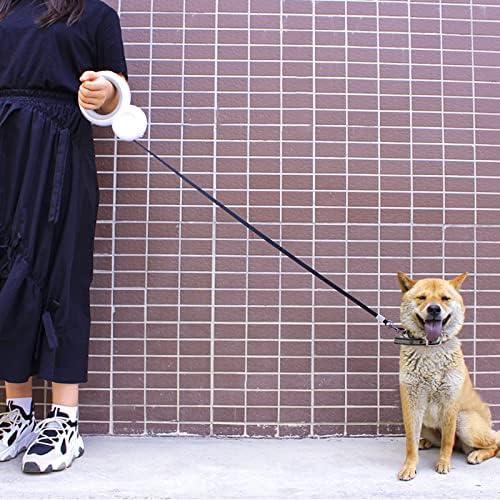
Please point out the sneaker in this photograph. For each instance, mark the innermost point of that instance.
(56, 445)
(16, 431)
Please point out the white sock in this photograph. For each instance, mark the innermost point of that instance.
(24, 403)
(71, 411)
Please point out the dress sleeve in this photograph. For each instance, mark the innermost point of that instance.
(109, 45)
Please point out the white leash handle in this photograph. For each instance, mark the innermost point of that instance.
(128, 122)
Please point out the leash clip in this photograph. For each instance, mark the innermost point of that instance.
(389, 324)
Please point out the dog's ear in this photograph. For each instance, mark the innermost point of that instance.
(405, 282)
(457, 282)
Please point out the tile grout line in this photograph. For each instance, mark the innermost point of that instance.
(474, 161)
(247, 243)
(379, 219)
(443, 147)
(412, 164)
(213, 300)
(346, 212)
(313, 249)
(280, 259)
(113, 277)
(148, 209)
(180, 226)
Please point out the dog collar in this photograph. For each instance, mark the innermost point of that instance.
(407, 339)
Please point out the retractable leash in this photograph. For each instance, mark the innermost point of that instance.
(129, 123)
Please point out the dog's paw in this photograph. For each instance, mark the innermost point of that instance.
(475, 457)
(443, 466)
(424, 444)
(407, 473)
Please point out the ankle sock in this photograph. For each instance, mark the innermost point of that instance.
(70, 411)
(24, 403)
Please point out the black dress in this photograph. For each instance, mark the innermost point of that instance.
(48, 188)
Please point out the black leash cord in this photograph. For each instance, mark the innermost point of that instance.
(277, 246)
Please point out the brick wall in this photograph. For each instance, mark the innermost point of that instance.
(363, 136)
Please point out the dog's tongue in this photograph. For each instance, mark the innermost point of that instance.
(433, 329)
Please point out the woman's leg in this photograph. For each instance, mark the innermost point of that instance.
(64, 394)
(23, 390)
(20, 395)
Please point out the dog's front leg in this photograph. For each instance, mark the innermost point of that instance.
(413, 406)
(448, 430)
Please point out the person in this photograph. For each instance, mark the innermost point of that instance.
(50, 53)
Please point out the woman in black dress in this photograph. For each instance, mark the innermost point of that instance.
(49, 53)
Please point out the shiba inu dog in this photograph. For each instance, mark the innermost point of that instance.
(440, 405)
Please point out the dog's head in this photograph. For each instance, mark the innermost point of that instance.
(432, 308)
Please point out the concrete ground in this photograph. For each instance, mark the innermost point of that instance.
(209, 468)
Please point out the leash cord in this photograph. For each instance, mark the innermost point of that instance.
(273, 243)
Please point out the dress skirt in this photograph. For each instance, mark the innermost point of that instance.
(48, 210)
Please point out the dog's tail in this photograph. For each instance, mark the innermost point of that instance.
(498, 444)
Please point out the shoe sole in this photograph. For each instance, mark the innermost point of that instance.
(18, 447)
(35, 468)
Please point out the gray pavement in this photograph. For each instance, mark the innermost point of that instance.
(210, 468)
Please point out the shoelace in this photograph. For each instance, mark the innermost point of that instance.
(8, 420)
(49, 430)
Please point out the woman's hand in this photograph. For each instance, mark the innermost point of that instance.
(97, 93)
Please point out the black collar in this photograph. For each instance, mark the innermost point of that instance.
(406, 338)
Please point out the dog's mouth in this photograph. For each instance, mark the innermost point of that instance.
(433, 328)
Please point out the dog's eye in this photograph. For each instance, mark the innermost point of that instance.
(445, 298)
(421, 297)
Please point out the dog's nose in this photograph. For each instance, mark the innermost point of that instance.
(433, 310)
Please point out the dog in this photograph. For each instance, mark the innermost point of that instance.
(439, 403)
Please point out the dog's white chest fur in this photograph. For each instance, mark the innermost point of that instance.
(432, 377)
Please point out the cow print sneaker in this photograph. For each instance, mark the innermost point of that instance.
(16, 431)
(56, 445)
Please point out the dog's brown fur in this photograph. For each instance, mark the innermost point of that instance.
(440, 405)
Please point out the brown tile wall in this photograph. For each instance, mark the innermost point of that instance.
(364, 136)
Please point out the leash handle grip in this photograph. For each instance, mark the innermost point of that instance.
(124, 100)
